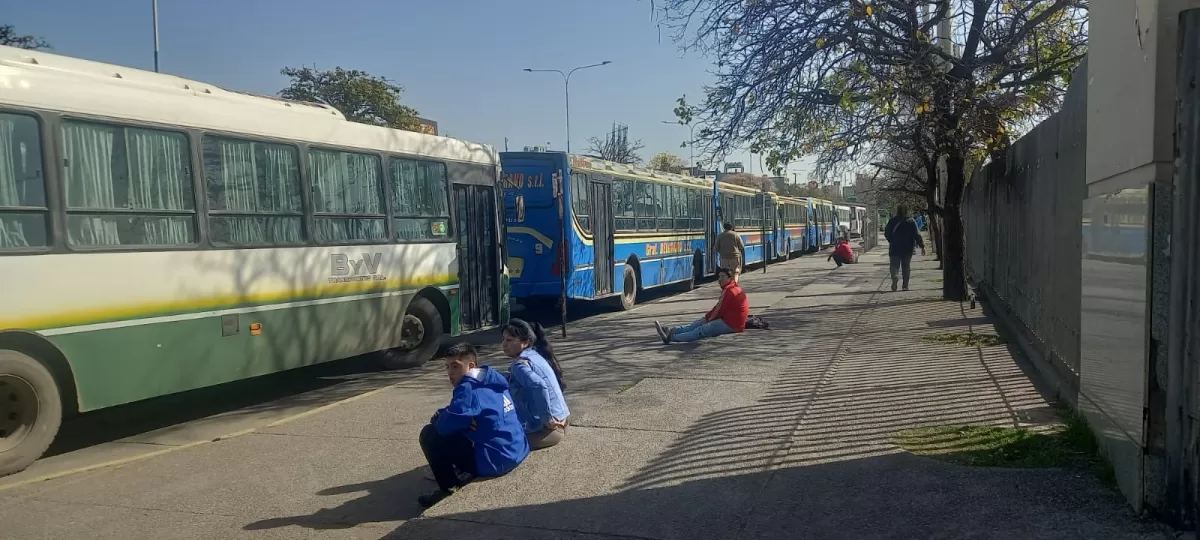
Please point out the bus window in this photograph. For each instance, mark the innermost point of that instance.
(623, 197)
(22, 184)
(579, 200)
(679, 205)
(140, 179)
(696, 209)
(644, 206)
(346, 197)
(253, 192)
(664, 204)
(421, 207)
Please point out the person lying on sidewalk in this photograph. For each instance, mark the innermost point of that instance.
(727, 317)
(842, 254)
(536, 381)
(478, 434)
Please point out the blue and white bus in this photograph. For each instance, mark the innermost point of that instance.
(620, 229)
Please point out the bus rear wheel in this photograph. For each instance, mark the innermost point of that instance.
(420, 336)
(30, 411)
(629, 289)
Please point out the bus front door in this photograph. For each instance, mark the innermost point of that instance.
(602, 237)
(711, 225)
(478, 256)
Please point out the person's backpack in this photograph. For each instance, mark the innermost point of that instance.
(757, 323)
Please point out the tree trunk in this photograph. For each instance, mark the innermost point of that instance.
(935, 235)
(954, 284)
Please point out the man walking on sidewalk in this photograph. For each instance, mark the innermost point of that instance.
(727, 317)
(902, 236)
(732, 250)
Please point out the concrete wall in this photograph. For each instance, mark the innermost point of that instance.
(1130, 152)
(1022, 218)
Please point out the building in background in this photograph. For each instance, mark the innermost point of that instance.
(428, 126)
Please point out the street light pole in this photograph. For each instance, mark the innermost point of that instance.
(567, 90)
(155, 8)
(691, 141)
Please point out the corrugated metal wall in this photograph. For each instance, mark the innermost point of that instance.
(1023, 229)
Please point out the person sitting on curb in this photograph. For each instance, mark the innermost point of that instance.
(536, 382)
(842, 254)
(727, 317)
(478, 434)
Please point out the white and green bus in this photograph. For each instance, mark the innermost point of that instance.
(159, 234)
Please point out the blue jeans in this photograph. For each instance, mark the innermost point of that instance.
(700, 329)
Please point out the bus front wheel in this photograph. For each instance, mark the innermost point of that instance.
(420, 336)
(30, 411)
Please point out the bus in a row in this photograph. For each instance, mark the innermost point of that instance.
(159, 234)
(597, 229)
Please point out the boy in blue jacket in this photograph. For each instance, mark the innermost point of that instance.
(478, 434)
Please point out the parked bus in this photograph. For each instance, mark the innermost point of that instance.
(843, 214)
(826, 222)
(858, 220)
(159, 234)
(799, 230)
(620, 229)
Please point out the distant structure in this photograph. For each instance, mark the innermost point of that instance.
(428, 126)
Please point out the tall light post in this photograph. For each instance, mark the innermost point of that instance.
(567, 90)
(155, 9)
(691, 143)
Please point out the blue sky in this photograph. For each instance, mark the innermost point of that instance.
(460, 61)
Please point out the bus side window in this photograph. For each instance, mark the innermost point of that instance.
(420, 201)
(623, 205)
(22, 185)
(253, 191)
(127, 185)
(644, 205)
(579, 200)
(347, 199)
(665, 205)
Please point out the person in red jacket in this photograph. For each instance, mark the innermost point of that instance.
(727, 317)
(842, 254)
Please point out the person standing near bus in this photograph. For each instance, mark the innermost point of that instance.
(902, 236)
(731, 250)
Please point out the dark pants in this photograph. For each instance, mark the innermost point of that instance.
(445, 453)
(840, 260)
(901, 262)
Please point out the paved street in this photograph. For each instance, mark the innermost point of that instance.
(769, 434)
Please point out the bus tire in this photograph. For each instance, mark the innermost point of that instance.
(628, 289)
(421, 324)
(30, 411)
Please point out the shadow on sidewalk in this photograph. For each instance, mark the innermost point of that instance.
(390, 499)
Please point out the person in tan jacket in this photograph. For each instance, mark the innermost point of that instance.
(731, 250)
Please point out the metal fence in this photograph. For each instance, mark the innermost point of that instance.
(1023, 230)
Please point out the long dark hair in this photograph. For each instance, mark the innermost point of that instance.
(536, 335)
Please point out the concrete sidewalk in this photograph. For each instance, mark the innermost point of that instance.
(769, 434)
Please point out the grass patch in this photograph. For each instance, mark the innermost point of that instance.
(626, 387)
(936, 280)
(1072, 445)
(967, 339)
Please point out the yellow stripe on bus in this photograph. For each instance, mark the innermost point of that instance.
(149, 309)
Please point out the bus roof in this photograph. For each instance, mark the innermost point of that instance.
(620, 169)
(53, 82)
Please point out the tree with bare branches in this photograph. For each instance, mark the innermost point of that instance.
(851, 81)
(616, 146)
